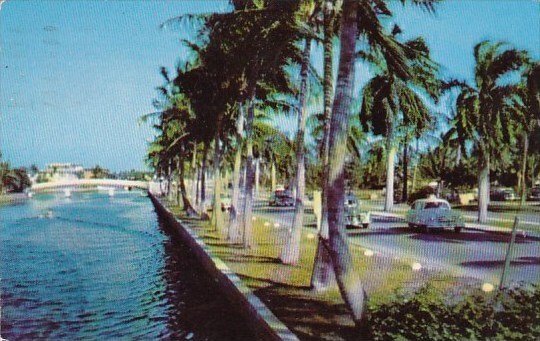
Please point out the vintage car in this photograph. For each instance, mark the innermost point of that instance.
(354, 216)
(534, 193)
(225, 202)
(281, 198)
(502, 194)
(434, 213)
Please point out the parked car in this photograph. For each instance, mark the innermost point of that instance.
(354, 216)
(502, 194)
(281, 198)
(434, 213)
(226, 202)
(534, 193)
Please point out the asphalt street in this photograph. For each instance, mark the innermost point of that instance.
(470, 253)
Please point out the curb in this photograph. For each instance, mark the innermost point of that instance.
(263, 322)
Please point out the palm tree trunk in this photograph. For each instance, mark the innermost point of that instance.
(273, 176)
(247, 224)
(349, 283)
(203, 178)
(390, 168)
(323, 275)
(234, 232)
(483, 185)
(216, 210)
(291, 252)
(169, 178)
(415, 169)
(405, 193)
(523, 188)
(257, 176)
(194, 172)
(187, 207)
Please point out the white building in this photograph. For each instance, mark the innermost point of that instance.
(63, 171)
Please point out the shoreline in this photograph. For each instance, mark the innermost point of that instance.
(263, 322)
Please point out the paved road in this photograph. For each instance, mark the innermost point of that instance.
(471, 253)
(529, 216)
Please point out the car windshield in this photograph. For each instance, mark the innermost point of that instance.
(436, 204)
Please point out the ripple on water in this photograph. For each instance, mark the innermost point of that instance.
(101, 268)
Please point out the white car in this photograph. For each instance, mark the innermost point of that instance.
(434, 213)
(354, 217)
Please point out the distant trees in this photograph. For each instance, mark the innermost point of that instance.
(218, 116)
(99, 172)
(13, 180)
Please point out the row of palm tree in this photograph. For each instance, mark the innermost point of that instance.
(255, 62)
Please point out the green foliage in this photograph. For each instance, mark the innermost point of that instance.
(428, 315)
(14, 180)
(422, 193)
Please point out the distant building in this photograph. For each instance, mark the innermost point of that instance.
(62, 172)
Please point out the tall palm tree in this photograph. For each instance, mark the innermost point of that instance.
(484, 109)
(358, 16)
(291, 251)
(526, 106)
(392, 106)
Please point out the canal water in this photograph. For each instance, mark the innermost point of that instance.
(95, 267)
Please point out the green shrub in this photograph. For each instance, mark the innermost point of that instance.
(422, 193)
(427, 315)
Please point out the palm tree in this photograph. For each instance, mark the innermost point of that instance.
(291, 251)
(526, 107)
(358, 16)
(391, 103)
(484, 110)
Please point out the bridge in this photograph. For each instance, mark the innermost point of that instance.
(88, 183)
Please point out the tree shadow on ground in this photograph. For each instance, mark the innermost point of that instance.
(471, 236)
(305, 312)
(490, 264)
(380, 232)
(241, 258)
(224, 244)
(503, 208)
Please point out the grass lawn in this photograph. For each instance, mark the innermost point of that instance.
(286, 289)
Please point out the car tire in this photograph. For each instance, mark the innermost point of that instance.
(457, 229)
(366, 225)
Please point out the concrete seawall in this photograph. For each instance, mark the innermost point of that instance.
(261, 320)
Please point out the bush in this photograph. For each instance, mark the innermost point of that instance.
(426, 315)
(422, 193)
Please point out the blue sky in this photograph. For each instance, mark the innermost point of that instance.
(76, 75)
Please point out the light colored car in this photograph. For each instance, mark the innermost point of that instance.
(434, 213)
(354, 216)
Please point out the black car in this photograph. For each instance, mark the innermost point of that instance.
(535, 193)
(281, 199)
(502, 194)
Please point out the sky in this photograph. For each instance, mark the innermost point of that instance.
(76, 75)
